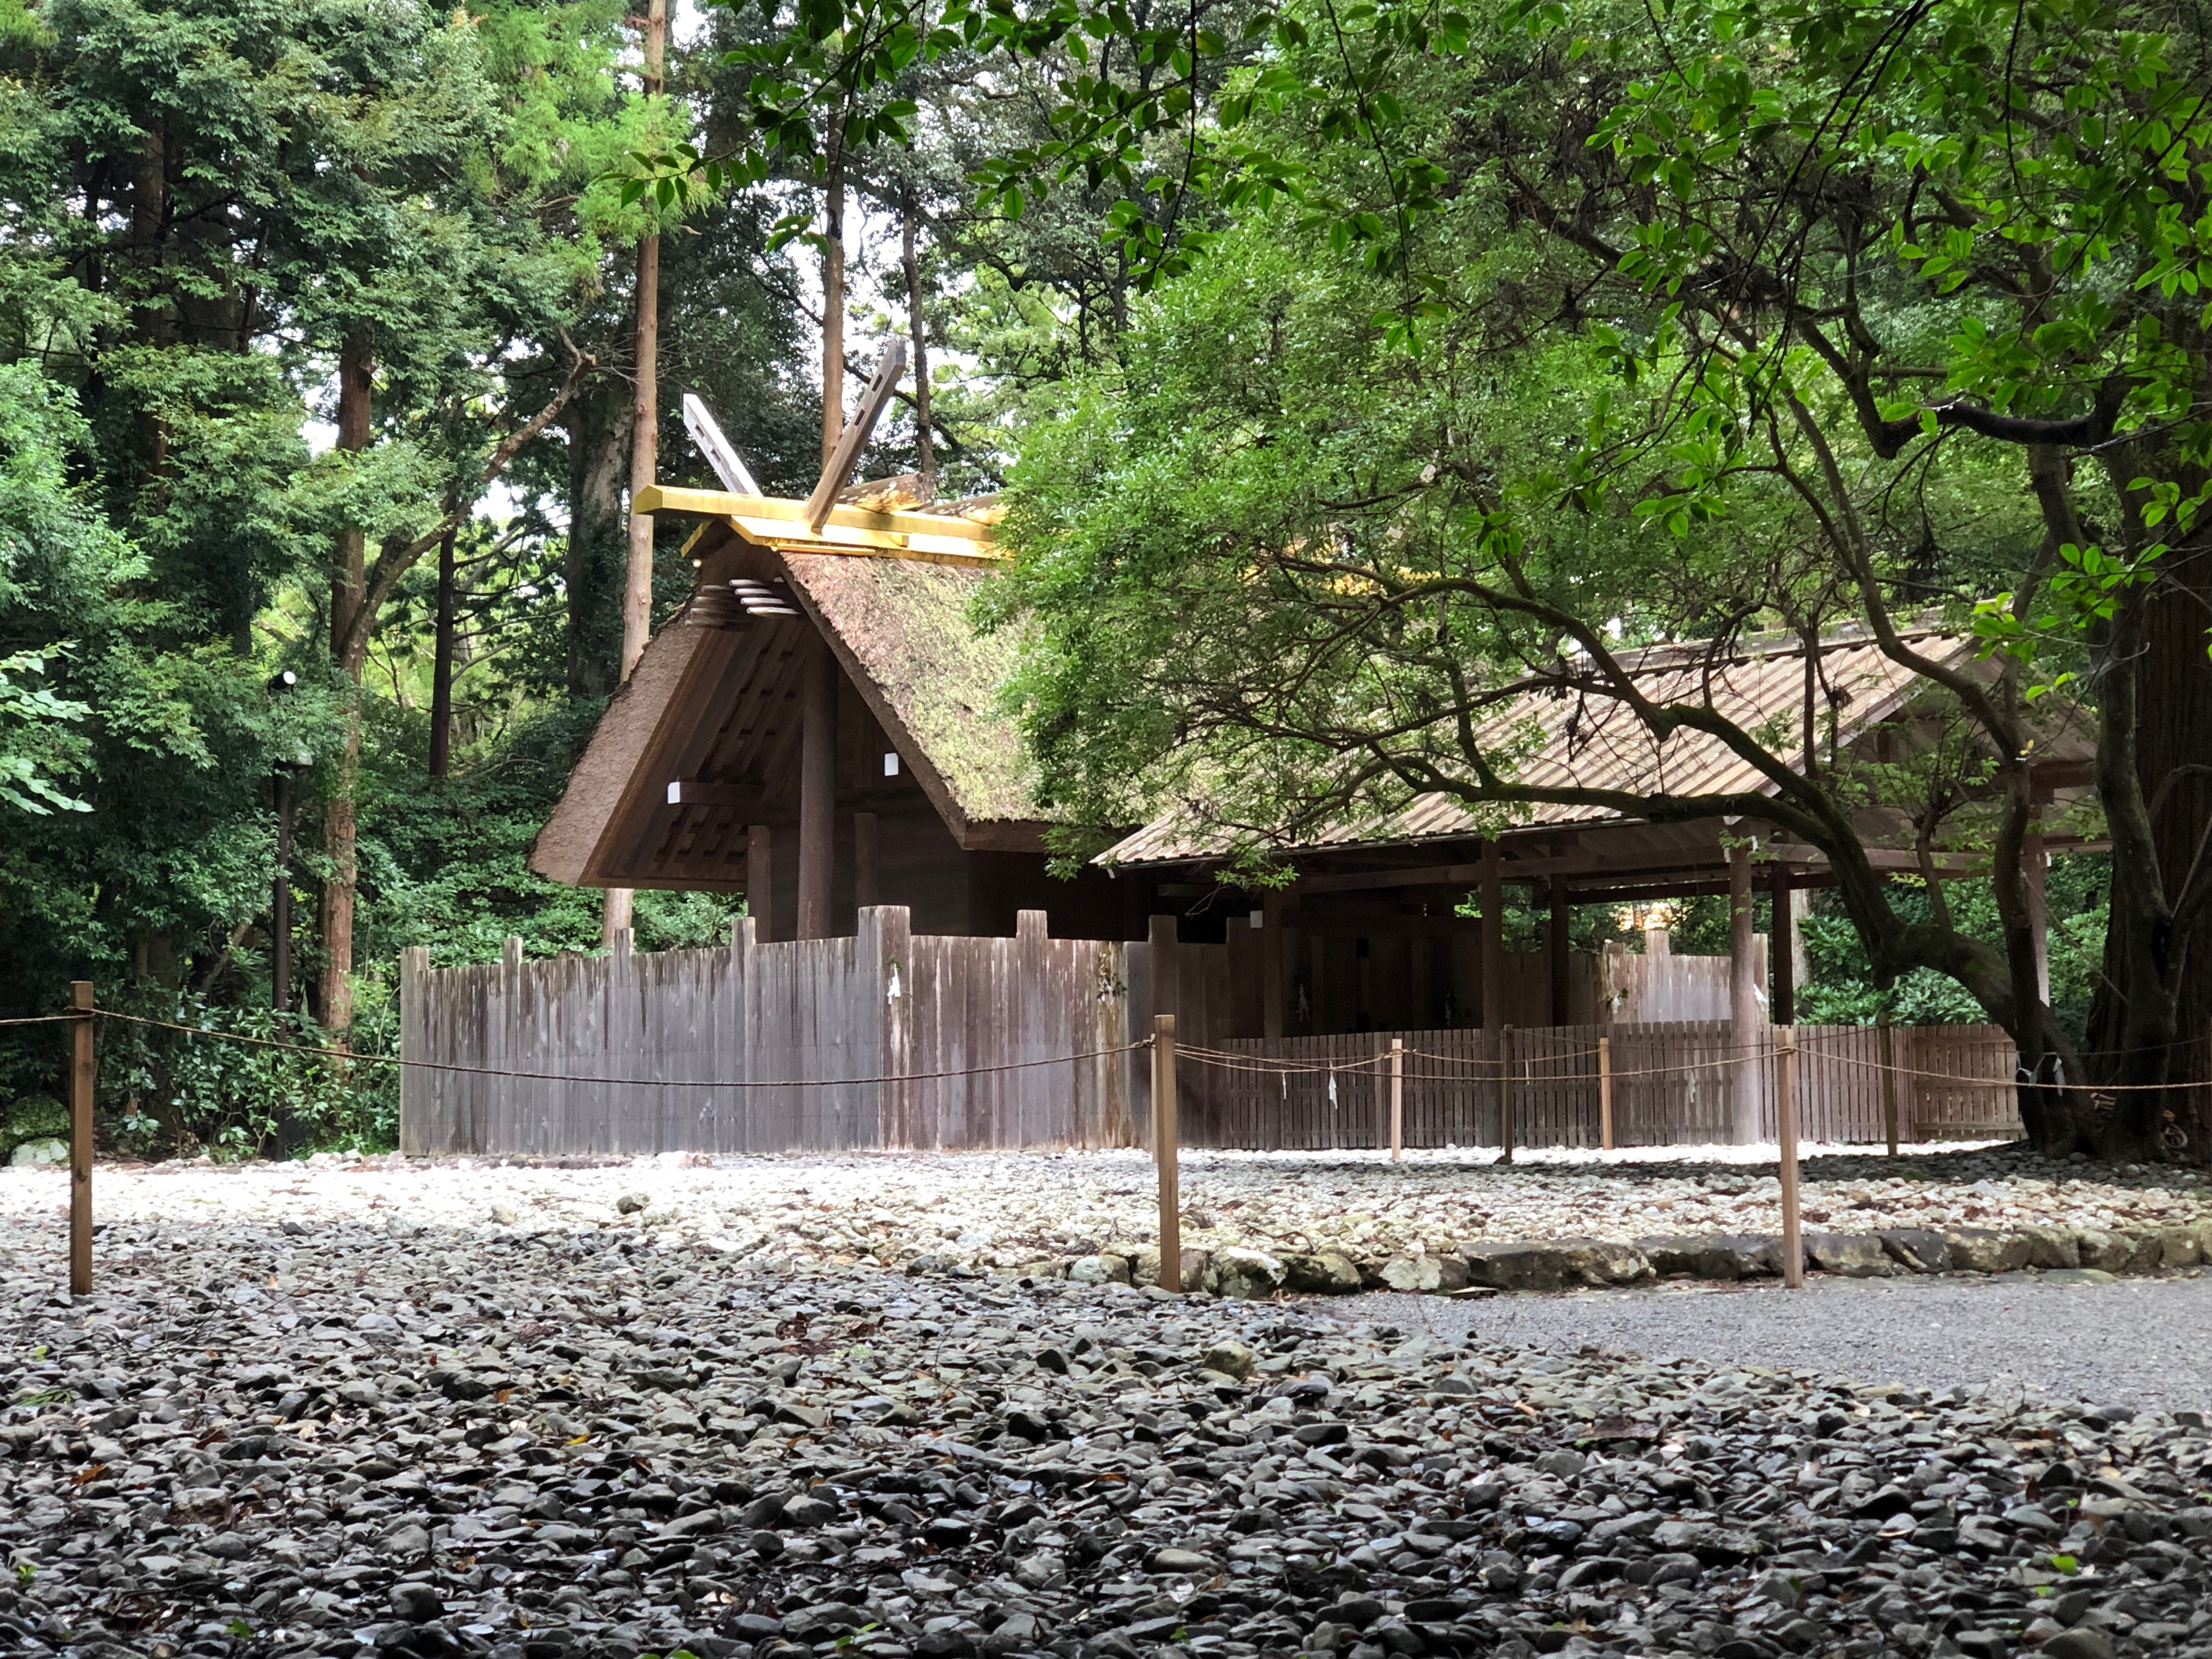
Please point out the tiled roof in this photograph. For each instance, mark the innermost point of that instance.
(1598, 743)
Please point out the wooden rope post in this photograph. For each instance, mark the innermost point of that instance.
(1785, 1119)
(84, 1077)
(1506, 1100)
(1163, 1151)
(1397, 1098)
(1887, 1038)
(1605, 1092)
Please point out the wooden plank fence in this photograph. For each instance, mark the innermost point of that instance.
(860, 1027)
(1674, 1084)
(893, 1040)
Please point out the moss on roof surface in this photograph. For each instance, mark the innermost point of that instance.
(906, 623)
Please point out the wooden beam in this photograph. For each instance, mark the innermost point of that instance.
(777, 509)
(721, 454)
(857, 431)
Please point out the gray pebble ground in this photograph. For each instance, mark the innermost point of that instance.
(2146, 1343)
(322, 1414)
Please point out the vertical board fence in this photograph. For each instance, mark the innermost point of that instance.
(893, 1040)
(861, 1026)
(1674, 1084)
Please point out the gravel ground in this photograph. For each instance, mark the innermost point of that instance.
(2144, 1342)
(1008, 1209)
(340, 1427)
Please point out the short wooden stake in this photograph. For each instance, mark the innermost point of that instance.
(1163, 1151)
(1785, 1119)
(1506, 1092)
(1397, 1098)
(1605, 1092)
(1888, 1041)
(83, 1078)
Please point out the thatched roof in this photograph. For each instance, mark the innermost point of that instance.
(902, 631)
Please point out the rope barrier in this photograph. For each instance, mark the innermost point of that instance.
(622, 1082)
(1731, 1055)
(1372, 1064)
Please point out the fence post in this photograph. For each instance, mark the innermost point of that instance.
(1884, 1036)
(1605, 1092)
(1397, 1098)
(1506, 1102)
(83, 1076)
(1785, 1118)
(1163, 1151)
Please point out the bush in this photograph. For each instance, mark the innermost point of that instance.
(165, 1092)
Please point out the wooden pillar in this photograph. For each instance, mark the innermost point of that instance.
(1167, 970)
(1270, 920)
(1165, 1150)
(1886, 1035)
(863, 860)
(1507, 1096)
(1605, 1092)
(760, 882)
(1317, 979)
(2034, 865)
(1493, 936)
(1397, 1098)
(1785, 1122)
(1561, 943)
(1420, 996)
(817, 792)
(1781, 948)
(84, 1079)
(1747, 1025)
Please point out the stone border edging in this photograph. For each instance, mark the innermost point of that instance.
(1490, 1267)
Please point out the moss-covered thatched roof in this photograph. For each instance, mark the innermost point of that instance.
(904, 626)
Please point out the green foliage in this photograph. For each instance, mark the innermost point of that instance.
(444, 864)
(166, 1092)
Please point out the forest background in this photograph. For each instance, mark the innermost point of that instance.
(219, 219)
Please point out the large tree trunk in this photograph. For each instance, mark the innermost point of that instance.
(594, 567)
(348, 594)
(925, 446)
(833, 295)
(644, 442)
(441, 663)
(2153, 1010)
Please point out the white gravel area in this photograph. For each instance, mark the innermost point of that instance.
(1007, 1209)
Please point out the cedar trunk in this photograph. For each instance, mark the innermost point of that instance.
(348, 594)
(2146, 958)
(592, 567)
(644, 442)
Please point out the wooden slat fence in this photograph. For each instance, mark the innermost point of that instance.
(837, 1014)
(1674, 1084)
(896, 1041)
